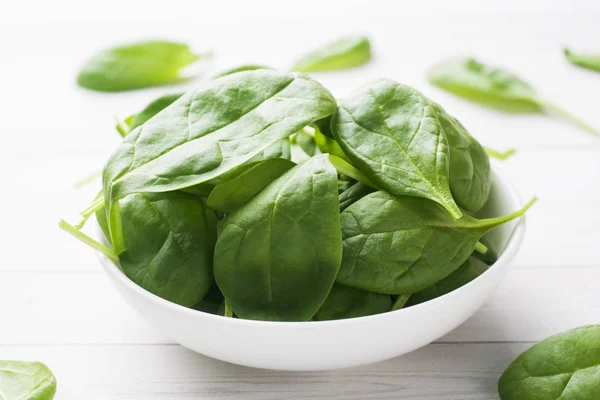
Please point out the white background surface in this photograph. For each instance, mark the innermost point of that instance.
(56, 305)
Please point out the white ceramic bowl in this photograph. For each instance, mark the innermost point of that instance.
(302, 346)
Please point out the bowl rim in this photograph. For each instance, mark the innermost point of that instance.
(510, 250)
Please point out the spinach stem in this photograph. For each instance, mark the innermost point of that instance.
(122, 127)
(96, 205)
(345, 168)
(88, 179)
(569, 117)
(481, 248)
(228, 310)
(491, 223)
(64, 225)
(500, 155)
(400, 302)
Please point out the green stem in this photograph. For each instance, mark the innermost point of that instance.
(400, 301)
(345, 168)
(122, 127)
(500, 155)
(481, 248)
(88, 179)
(96, 205)
(228, 310)
(64, 225)
(569, 117)
(490, 223)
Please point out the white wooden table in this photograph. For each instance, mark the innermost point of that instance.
(56, 305)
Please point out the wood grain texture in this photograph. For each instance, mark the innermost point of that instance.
(437, 371)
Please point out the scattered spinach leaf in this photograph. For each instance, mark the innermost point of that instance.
(306, 142)
(231, 194)
(498, 155)
(392, 133)
(412, 242)
(21, 380)
(152, 109)
(345, 53)
(277, 256)
(241, 68)
(589, 61)
(565, 366)
(137, 65)
(494, 87)
(346, 302)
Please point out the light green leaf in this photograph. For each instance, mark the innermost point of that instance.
(20, 380)
(345, 53)
(136, 65)
(589, 61)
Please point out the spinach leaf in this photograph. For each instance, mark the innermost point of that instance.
(324, 125)
(241, 68)
(231, 194)
(211, 302)
(345, 53)
(410, 243)
(210, 131)
(152, 109)
(493, 87)
(393, 134)
(329, 145)
(306, 142)
(277, 256)
(354, 193)
(137, 65)
(565, 366)
(468, 271)
(498, 155)
(589, 61)
(346, 302)
(22, 380)
(470, 180)
(169, 246)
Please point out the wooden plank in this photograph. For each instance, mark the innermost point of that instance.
(84, 308)
(448, 371)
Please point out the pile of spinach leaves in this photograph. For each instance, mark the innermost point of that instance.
(260, 196)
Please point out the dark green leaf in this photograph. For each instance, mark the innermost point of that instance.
(354, 193)
(589, 61)
(410, 243)
(346, 302)
(20, 380)
(152, 109)
(210, 131)
(169, 245)
(468, 271)
(393, 134)
(231, 194)
(136, 65)
(277, 256)
(345, 53)
(565, 366)
(470, 179)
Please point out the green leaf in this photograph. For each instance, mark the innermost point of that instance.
(494, 87)
(241, 68)
(565, 366)
(498, 155)
(329, 145)
(169, 246)
(306, 142)
(136, 65)
(470, 180)
(392, 133)
(468, 271)
(410, 243)
(210, 131)
(277, 256)
(346, 302)
(153, 108)
(20, 380)
(354, 193)
(231, 194)
(589, 61)
(345, 53)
